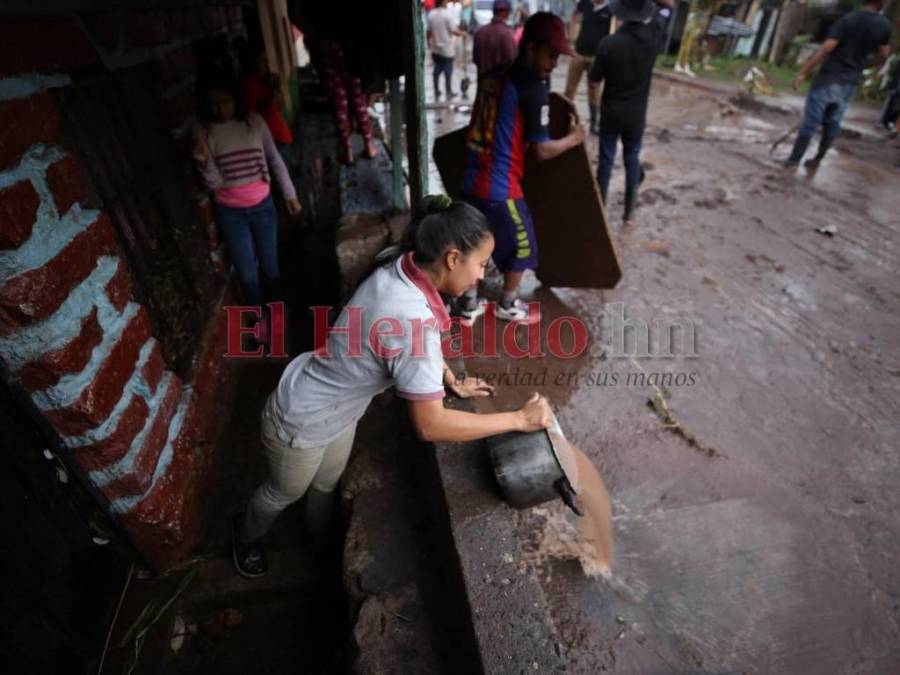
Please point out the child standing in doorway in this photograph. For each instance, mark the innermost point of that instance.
(236, 157)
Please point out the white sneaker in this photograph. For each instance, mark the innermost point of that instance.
(469, 315)
(518, 311)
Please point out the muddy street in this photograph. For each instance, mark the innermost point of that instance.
(753, 473)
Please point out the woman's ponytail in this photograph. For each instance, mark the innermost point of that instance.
(440, 223)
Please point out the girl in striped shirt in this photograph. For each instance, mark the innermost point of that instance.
(237, 158)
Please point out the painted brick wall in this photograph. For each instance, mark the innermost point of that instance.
(71, 333)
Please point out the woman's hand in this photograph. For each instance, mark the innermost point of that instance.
(469, 387)
(293, 207)
(198, 152)
(535, 415)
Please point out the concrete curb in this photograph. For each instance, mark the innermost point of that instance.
(508, 609)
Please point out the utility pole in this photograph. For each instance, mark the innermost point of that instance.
(396, 114)
(414, 94)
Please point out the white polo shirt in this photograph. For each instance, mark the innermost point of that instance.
(441, 25)
(388, 334)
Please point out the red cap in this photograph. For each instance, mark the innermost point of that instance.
(548, 29)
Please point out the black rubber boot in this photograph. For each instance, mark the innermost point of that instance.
(800, 146)
(631, 195)
(595, 121)
(824, 144)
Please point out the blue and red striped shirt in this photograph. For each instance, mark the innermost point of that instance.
(511, 111)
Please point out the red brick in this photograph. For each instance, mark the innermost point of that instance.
(66, 183)
(146, 29)
(35, 294)
(46, 371)
(36, 46)
(209, 403)
(26, 121)
(113, 447)
(208, 370)
(153, 370)
(119, 287)
(168, 522)
(18, 210)
(137, 481)
(98, 399)
(165, 524)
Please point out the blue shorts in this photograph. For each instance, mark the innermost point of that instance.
(515, 246)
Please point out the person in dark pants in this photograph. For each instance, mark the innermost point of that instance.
(624, 62)
(596, 18)
(891, 110)
(442, 32)
(237, 159)
(851, 42)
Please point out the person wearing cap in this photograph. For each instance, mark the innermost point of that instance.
(495, 44)
(596, 19)
(624, 63)
(509, 119)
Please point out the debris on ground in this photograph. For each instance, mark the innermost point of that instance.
(757, 83)
(661, 408)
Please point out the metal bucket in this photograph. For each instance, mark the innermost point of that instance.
(528, 471)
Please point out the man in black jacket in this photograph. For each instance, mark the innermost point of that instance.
(624, 62)
(596, 19)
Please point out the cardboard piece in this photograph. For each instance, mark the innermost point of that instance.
(574, 246)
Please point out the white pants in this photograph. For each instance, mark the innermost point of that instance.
(293, 471)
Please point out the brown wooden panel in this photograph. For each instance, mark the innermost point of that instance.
(574, 246)
(449, 154)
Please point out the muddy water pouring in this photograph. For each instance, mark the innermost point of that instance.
(534, 468)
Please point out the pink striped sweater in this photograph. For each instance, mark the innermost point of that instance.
(240, 153)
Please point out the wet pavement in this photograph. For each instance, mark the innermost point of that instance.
(754, 476)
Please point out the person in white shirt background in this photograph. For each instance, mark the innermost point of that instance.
(443, 28)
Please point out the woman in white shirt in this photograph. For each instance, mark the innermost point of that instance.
(389, 334)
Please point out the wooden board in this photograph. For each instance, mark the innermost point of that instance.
(574, 246)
